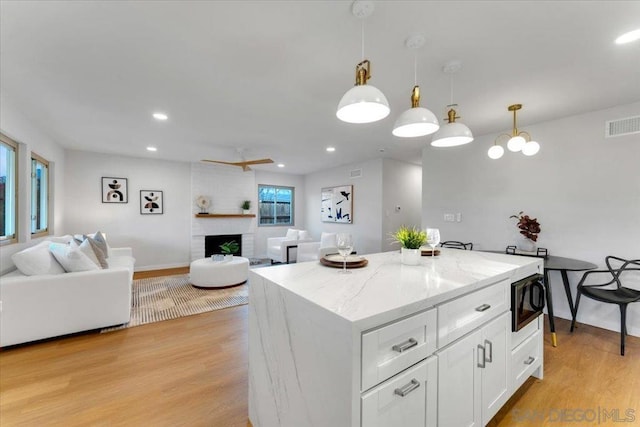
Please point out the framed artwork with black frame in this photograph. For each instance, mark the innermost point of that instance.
(114, 190)
(151, 202)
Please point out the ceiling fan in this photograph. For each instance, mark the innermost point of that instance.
(243, 164)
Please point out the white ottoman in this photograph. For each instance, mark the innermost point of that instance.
(206, 273)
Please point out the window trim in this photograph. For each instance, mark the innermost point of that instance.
(38, 158)
(293, 203)
(13, 144)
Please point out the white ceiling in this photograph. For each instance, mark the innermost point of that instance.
(267, 76)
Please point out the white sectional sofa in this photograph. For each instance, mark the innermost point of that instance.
(49, 305)
(284, 249)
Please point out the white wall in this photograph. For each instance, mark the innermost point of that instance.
(583, 188)
(402, 186)
(158, 241)
(287, 180)
(367, 204)
(31, 139)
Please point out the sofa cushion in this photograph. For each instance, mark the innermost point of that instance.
(37, 260)
(60, 239)
(292, 234)
(72, 258)
(304, 235)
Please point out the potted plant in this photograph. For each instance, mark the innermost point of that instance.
(229, 248)
(529, 228)
(411, 239)
(246, 205)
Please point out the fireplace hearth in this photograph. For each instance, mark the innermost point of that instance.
(212, 243)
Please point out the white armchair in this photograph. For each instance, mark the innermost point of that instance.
(284, 249)
(313, 251)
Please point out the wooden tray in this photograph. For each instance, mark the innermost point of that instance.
(336, 261)
(427, 252)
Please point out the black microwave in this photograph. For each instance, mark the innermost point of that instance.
(527, 301)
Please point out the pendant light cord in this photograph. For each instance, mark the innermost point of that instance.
(451, 77)
(362, 39)
(415, 69)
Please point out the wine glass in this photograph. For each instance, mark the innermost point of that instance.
(344, 243)
(433, 238)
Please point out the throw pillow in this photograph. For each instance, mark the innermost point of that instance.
(292, 234)
(71, 258)
(37, 260)
(101, 240)
(91, 250)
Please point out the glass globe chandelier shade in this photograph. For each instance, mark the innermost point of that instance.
(363, 104)
(516, 143)
(416, 121)
(530, 148)
(495, 152)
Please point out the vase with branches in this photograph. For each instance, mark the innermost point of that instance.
(529, 228)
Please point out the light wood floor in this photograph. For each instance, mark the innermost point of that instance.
(192, 371)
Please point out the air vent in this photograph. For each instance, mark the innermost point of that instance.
(621, 127)
(356, 173)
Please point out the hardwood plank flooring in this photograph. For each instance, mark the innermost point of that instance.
(192, 371)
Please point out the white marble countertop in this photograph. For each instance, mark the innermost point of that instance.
(386, 289)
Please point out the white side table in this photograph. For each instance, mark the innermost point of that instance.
(206, 273)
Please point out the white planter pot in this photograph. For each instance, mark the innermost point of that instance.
(246, 211)
(410, 256)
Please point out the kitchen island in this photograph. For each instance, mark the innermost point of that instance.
(389, 344)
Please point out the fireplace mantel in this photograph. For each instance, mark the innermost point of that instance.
(225, 215)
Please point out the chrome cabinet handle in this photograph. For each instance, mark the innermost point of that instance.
(489, 345)
(482, 359)
(403, 391)
(483, 307)
(529, 361)
(405, 345)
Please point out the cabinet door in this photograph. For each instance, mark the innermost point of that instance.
(407, 400)
(459, 385)
(495, 374)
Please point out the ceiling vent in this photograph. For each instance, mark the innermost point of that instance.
(621, 127)
(356, 173)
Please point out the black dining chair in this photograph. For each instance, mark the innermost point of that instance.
(618, 269)
(457, 245)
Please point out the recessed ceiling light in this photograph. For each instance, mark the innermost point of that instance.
(629, 37)
(160, 116)
(331, 149)
(280, 165)
(150, 148)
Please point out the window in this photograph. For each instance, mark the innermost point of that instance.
(275, 205)
(8, 184)
(39, 195)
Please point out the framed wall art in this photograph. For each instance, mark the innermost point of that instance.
(114, 190)
(337, 204)
(151, 202)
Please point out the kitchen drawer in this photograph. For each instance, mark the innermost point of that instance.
(393, 348)
(401, 400)
(464, 314)
(518, 338)
(525, 359)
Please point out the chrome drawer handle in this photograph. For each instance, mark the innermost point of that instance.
(530, 360)
(483, 307)
(405, 345)
(403, 391)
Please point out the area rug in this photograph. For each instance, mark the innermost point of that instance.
(169, 297)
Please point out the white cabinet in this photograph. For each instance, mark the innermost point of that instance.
(409, 399)
(473, 375)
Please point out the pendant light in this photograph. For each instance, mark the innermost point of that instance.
(518, 140)
(453, 133)
(416, 121)
(363, 103)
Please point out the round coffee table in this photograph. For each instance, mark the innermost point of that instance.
(206, 273)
